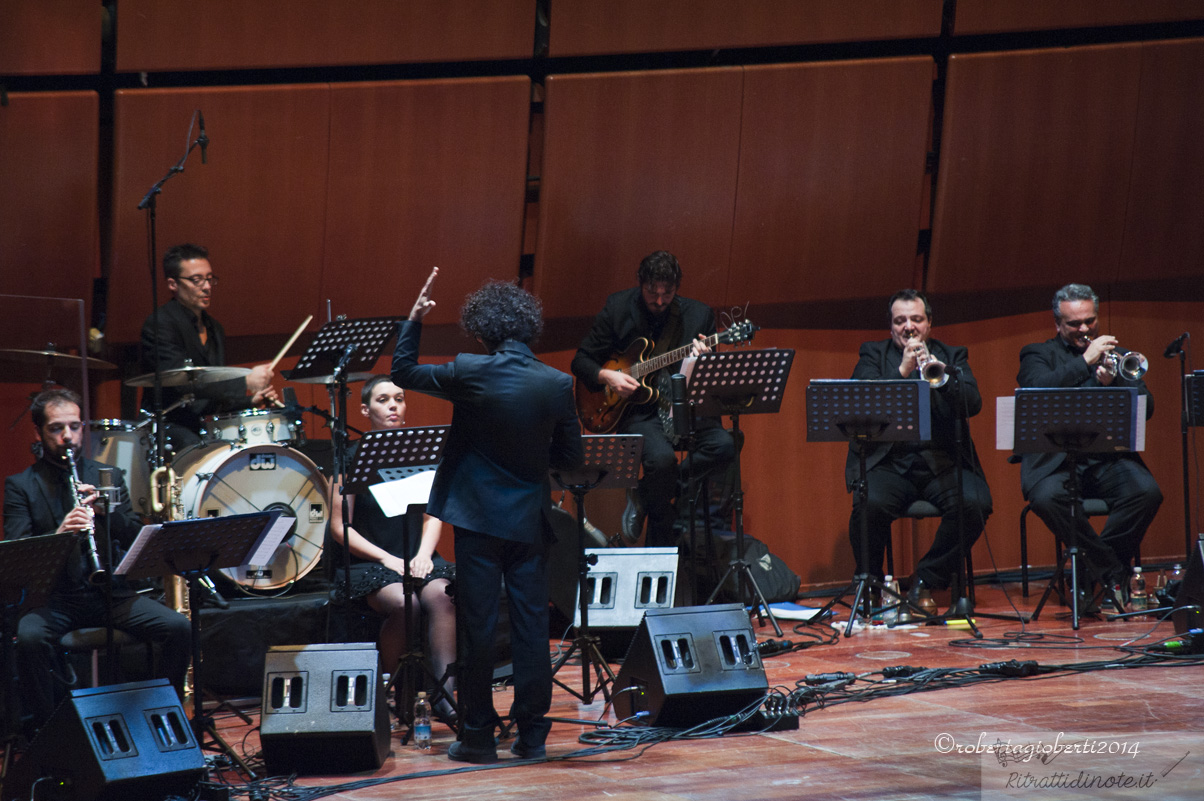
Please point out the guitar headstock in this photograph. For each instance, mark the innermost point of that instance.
(738, 333)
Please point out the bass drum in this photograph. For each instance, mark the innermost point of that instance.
(126, 445)
(217, 480)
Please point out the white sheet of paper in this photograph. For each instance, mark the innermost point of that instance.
(394, 497)
(265, 549)
(131, 556)
(1005, 422)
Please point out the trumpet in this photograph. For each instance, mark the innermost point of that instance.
(1131, 365)
(96, 572)
(932, 369)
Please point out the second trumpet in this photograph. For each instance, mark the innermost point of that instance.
(1131, 365)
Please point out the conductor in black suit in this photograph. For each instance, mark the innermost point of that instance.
(1075, 357)
(899, 473)
(513, 419)
(190, 333)
(38, 501)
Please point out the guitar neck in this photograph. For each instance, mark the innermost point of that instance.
(641, 369)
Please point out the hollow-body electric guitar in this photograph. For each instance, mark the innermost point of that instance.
(601, 410)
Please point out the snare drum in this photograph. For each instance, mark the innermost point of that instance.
(217, 480)
(252, 427)
(123, 444)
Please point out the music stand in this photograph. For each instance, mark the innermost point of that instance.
(1075, 421)
(29, 570)
(736, 383)
(860, 413)
(190, 548)
(390, 455)
(611, 461)
(342, 351)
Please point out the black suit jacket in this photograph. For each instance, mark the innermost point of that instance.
(37, 499)
(513, 418)
(1053, 363)
(180, 341)
(880, 361)
(624, 319)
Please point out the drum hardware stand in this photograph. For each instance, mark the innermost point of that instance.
(392, 455)
(29, 570)
(190, 548)
(860, 413)
(611, 461)
(1075, 421)
(736, 383)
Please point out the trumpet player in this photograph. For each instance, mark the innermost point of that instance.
(42, 500)
(899, 473)
(1079, 356)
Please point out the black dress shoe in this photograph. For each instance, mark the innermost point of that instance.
(459, 752)
(445, 713)
(528, 751)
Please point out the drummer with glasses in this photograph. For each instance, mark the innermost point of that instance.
(187, 333)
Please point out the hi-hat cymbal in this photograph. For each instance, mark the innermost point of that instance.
(181, 376)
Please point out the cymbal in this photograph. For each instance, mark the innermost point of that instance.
(181, 376)
(52, 357)
(329, 379)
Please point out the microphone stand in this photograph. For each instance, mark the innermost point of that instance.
(150, 203)
(1184, 424)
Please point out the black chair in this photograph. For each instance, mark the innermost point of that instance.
(1092, 507)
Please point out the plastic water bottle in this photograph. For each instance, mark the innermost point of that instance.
(891, 616)
(422, 723)
(1139, 600)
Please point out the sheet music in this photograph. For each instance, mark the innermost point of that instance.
(131, 556)
(395, 497)
(1005, 422)
(269, 540)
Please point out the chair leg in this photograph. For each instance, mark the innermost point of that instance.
(1024, 550)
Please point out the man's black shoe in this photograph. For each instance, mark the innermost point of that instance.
(528, 751)
(459, 752)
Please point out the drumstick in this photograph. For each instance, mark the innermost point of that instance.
(289, 344)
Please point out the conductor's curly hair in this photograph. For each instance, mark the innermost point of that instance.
(499, 311)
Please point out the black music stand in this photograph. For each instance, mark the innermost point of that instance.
(1075, 421)
(611, 461)
(736, 383)
(390, 455)
(861, 413)
(342, 351)
(29, 570)
(190, 548)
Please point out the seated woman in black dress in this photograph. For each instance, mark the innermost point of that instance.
(379, 545)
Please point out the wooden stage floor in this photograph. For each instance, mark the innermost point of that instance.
(893, 747)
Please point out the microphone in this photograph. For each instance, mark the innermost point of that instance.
(1176, 347)
(203, 139)
(344, 360)
(681, 412)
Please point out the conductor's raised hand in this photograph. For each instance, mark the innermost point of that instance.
(424, 303)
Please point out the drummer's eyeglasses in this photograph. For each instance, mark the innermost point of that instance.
(199, 281)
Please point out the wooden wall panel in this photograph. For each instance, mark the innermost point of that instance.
(424, 173)
(50, 37)
(587, 27)
(48, 204)
(1034, 167)
(831, 179)
(258, 205)
(997, 16)
(636, 162)
(1164, 231)
(234, 34)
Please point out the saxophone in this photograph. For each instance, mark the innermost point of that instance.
(165, 482)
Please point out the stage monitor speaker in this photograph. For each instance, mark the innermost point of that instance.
(323, 709)
(118, 742)
(1189, 603)
(689, 665)
(624, 583)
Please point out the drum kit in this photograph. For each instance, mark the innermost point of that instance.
(245, 462)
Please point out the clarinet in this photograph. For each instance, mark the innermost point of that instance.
(96, 573)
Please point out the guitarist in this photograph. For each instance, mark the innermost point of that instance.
(653, 310)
